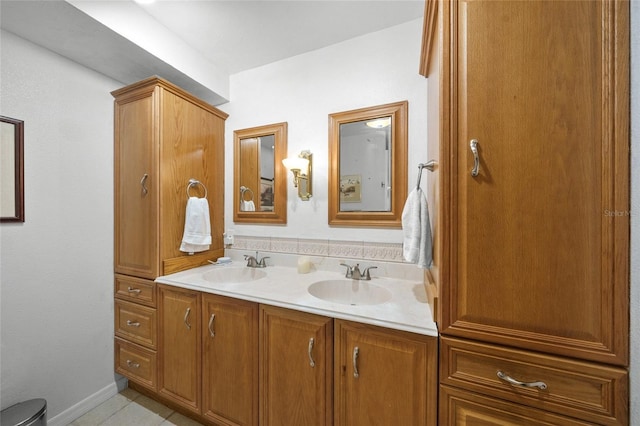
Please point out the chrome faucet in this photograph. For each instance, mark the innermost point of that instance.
(354, 273)
(255, 261)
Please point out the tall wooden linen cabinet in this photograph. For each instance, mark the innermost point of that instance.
(164, 137)
(529, 122)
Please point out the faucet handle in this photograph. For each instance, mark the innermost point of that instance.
(349, 270)
(262, 263)
(366, 274)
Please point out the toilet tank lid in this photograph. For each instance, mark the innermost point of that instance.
(23, 412)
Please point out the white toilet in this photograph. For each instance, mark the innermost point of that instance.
(28, 413)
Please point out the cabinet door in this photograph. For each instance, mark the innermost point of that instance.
(538, 243)
(384, 377)
(230, 360)
(136, 187)
(179, 346)
(296, 368)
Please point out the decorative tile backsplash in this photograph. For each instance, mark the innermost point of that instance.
(388, 252)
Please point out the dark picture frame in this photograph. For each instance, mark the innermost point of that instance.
(11, 170)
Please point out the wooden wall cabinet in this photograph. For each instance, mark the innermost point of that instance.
(163, 137)
(384, 376)
(532, 251)
(296, 351)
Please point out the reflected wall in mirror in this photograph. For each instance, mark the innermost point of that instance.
(260, 191)
(368, 166)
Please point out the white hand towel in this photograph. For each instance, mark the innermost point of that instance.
(247, 206)
(197, 226)
(417, 246)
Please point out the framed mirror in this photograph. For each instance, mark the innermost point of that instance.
(11, 170)
(368, 166)
(260, 179)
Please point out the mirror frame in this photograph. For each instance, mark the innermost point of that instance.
(398, 112)
(279, 213)
(12, 151)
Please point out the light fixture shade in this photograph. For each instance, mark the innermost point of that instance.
(296, 163)
(379, 123)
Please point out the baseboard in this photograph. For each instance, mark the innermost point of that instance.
(88, 404)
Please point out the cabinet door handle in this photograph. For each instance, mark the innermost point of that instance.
(132, 364)
(133, 290)
(143, 181)
(512, 381)
(186, 318)
(211, 331)
(312, 363)
(133, 323)
(476, 157)
(355, 362)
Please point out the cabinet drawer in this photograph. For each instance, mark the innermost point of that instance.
(136, 363)
(135, 290)
(579, 389)
(136, 323)
(458, 407)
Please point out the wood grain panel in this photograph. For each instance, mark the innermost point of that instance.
(179, 355)
(136, 363)
(397, 376)
(291, 390)
(136, 290)
(536, 258)
(588, 391)
(136, 323)
(230, 360)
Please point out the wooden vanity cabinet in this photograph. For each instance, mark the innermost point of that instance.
(136, 340)
(384, 376)
(533, 249)
(179, 354)
(229, 360)
(296, 368)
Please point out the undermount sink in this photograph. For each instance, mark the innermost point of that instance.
(350, 292)
(233, 275)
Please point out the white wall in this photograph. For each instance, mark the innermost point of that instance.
(303, 90)
(56, 282)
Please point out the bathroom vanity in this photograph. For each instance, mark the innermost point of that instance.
(239, 345)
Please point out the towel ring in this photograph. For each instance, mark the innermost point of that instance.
(244, 189)
(431, 165)
(194, 182)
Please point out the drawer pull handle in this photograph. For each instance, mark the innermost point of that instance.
(133, 323)
(211, 330)
(143, 182)
(186, 319)
(512, 381)
(133, 290)
(312, 363)
(356, 351)
(476, 157)
(132, 364)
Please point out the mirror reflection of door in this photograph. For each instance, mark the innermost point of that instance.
(365, 165)
(257, 174)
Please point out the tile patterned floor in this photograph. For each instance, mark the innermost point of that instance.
(130, 408)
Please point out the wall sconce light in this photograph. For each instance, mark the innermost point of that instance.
(300, 166)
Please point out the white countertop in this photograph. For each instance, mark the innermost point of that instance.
(283, 286)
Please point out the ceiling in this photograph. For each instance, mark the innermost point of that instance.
(197, 44)
(240, 35)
